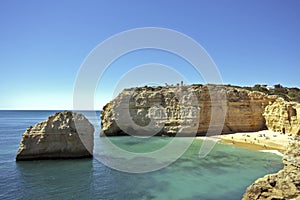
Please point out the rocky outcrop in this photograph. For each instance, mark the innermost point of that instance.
(62, 135)
(186, 109)
(283, 185)
(283, 116)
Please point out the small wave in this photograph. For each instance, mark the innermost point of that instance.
(272, 151)
(208, 138)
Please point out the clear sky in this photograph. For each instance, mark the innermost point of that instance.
(43, 43)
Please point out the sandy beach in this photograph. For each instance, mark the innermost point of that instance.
(265, 140)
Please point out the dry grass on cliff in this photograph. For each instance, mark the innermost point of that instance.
(288, 94)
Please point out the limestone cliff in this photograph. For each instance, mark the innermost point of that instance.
(283, 116)
(283, 185)
(184, 108)
(62, 135)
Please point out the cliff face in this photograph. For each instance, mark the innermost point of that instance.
(62, 135)
(283, 185)
(187, 109)
(282, 116)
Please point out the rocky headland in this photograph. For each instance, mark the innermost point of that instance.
(285, 184)
(62, 135)
(180, 107)
(172, 109)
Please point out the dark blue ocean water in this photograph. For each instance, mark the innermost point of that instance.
(224, 174)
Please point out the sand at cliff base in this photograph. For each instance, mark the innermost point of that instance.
(262, 140)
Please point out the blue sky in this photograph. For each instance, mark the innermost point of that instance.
(43, 43)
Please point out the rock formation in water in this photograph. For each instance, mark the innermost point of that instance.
(283, 116)
(186, 109)
(62, 135)
(283, 185)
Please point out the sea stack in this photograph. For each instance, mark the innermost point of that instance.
(63, 135)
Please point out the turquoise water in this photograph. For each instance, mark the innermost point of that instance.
(224, 174)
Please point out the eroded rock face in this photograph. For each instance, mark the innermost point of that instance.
(283, 116)
(283, 185)
(185, 109)
(62, 135)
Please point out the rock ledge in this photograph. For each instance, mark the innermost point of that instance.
(285, 184)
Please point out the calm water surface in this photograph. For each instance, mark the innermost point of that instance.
(224, 174)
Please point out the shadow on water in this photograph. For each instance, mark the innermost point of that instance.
(113, 184)
(230, 172)
(45, 178)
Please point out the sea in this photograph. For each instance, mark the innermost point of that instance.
(224, 173)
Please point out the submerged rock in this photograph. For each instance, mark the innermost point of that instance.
(62, 135)
(283, 185)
